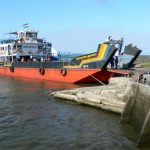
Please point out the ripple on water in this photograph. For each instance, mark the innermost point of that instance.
(30, 119)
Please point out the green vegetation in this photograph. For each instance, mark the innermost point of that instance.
(143, 61)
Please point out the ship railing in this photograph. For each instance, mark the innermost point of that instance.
(7, 41)
(67, 56)
(5, 64)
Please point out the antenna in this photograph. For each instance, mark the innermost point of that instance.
(10, 34)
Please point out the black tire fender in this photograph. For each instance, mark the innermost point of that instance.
(63, 72)
(41, 71)
(11, 68)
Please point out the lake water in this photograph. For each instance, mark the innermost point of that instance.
(31, 119)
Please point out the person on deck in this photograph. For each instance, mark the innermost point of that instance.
(112, 62)
(22, 59)
(116, 62)
(116, 58)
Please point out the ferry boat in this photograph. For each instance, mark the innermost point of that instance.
(28, 56)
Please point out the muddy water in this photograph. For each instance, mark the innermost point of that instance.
(31, 119)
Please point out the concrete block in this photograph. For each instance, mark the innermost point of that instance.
(137, 111)
(119, 81)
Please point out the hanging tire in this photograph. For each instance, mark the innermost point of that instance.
(63, 72)
(11, 69)
(42, 71)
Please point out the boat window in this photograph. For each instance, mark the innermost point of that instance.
(19, 46)
(40, 40)
(34, 35)
(14, 47)
(49, 44)
(31, 35)
(28, 34)
(39, 47)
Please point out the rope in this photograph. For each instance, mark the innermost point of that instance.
(94, 77)
(91, 75)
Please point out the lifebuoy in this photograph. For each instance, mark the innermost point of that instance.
(11, 69)
(42, 71)
(63, 72)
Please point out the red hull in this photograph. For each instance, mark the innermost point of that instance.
(72, 76)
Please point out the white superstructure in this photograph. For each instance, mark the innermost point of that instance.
(25, 44)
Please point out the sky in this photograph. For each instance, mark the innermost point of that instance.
(78, 26)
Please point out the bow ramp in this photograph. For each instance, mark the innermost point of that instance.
(129, 56)
(99, 59)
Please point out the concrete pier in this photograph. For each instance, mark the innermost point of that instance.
(109, 97)
(137, 111)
